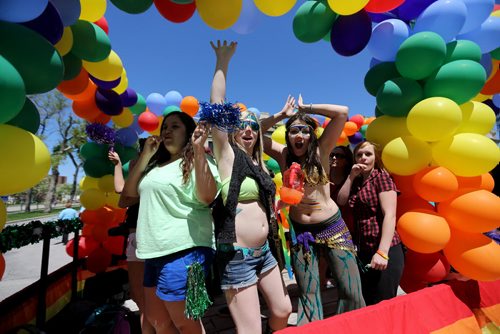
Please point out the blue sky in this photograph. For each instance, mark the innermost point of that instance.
(269, 64)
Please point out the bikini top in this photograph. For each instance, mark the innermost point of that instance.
(249, 190)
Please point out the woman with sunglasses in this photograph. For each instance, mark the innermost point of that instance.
(341, 161)
(372, 194)
(316, 220)
(244, 256)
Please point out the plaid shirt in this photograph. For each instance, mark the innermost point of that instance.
(367, 212)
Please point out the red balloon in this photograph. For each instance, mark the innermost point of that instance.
(405, 184)
(175, 12)
(98, 260)
(115, 245)
(406, 204)
(410, 283)
(382, 6)
(426, 267)
(148, 121)
(358, 119)
(103, 24)
(85, 246)
(2, 266)
(100, 232)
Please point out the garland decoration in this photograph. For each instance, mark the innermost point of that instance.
(225, 116)
(17, 236)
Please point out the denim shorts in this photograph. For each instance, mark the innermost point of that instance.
(238, 270)
(169, 273)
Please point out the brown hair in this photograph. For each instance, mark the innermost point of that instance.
(378, 158)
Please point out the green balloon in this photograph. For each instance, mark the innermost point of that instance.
(126, 169)
(28, 118)
(378, 74)
(127, 153)
(97, 167)
(397, 96)
(94, 150)
(495, 54)
(459, 81)
(36, 60)
(12, 91)
(273, 165)
(134, 6)
(72, 66)
(312, 21)
(420, 55)
(170, 109)
(139, 106)
(362, 130)
(378, 112)
(90, 42)
(462, 49)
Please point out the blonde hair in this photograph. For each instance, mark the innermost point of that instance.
(258, 149)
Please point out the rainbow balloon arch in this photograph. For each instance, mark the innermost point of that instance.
(435, 75)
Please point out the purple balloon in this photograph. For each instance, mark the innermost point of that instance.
(350, 34)
(411, 9)
(68, 9)
(48, 24)
(490, 104)
(379, 17)
(356, 138)
(129, 97)
(126, 136)
(105, 84)
(108, 101)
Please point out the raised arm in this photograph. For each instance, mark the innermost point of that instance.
(118, 179)
(345, 190)
(223, 152)
(130, 194)
(273, 149)
(205, 184)
(338, 115)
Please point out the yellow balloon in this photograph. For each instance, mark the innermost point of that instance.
(219, 14)
(278, 180)
(108, 69)
(406, 155)
(275, 7)
(278, 135)
(123, 85)
(106, 183)
(480, 97)
(347, 7)
(319, 131)
(66, 42)
(157, 131)
(3, 215)
(125, 119)
(93, 199)
(265, 157)
(467, 154)
(88, 182)
(25, 160)
(434, 118)
(385, 128)
(92, 10)
(112, 199)
(477, 117)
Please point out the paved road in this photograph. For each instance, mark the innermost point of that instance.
(23, 265)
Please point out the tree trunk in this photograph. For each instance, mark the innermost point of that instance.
(29, 198)
(51, 192)
(73, 186)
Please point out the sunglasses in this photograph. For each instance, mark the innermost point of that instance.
(296, 129)
(252, 124)
(337, 156)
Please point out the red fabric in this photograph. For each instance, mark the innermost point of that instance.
(420, 312)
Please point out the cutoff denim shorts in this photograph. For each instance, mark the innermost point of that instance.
(238, 270)
(169, 273)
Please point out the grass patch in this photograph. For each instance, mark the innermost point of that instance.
(31, 215)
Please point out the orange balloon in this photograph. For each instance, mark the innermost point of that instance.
(435, 184)
(423, 231)
(190, 105)
(350, 128)
(76, 85)
(87, 93)
(99, 260)
(342, 138)
(369, 120)
(101, 118)
(412, 203)
(290, 196)
(468, 184)
(86, 109)
(474, 212)
(241, 106)
(474, 255)
(404, 183)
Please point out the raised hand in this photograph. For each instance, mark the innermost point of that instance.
(151, 146)
(114, 157)
(224, 51)
(200, 135)
(357, 169)
(289, 107)
(300, 102)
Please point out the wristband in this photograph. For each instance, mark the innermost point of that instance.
(383, 255)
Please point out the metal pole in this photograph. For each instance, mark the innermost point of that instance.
(42, 287)
(74, 269)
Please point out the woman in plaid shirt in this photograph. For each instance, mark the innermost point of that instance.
(372, 193)
(316, 221)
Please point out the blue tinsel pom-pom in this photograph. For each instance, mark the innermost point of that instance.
(225, 116)
(100, 133)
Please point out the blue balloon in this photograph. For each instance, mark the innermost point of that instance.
(374, 61)
(21, 11)
(487, 64)
(156, 103)
(444, 17)
(386, 38)
(411, 9)
(379, 17)
(486, 36)
(496, 100)
(249, 18)
(255, 111)
(69, 10)
(135, 125)
(126, 136)
(173, 98)
(350, 34)
(477, 12)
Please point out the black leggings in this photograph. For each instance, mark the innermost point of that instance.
(380, 285)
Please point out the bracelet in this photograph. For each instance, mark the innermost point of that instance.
(385, 256)
(310, 107)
